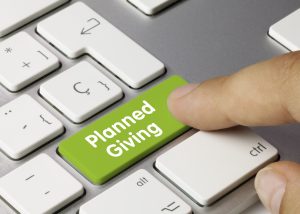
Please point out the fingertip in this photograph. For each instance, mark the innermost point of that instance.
(270, 186)
(197, 105)
(290, 170)
(183, 90)
(278, 187)
(174, 104)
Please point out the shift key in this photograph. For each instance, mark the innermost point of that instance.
(127, 134)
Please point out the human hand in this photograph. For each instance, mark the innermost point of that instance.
(264, 94)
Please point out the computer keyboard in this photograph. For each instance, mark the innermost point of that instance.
(96, 136)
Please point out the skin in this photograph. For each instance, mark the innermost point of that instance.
(264, 94)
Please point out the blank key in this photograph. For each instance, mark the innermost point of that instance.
(210, 164)
(287, 32)
(16, 13)
(153, 6)
(79, 30)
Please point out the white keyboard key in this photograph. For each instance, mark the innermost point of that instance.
(153, 6)
(39, 186)
(16, 13)
(25, 125)
(81, 92)
(210, 164)
(136, 194)
(286, 31)
(89, 33)
(23, 61)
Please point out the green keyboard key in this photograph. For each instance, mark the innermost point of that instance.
(125, 135)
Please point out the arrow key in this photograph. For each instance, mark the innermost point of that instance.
(79, 30)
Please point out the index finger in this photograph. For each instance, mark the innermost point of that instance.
(267, 93)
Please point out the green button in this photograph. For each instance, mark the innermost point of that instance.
(125, 135)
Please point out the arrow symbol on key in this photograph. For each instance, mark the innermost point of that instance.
(88, 30)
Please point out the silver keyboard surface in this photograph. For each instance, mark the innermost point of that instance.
(195, 39)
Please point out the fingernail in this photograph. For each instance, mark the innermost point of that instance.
(181, 91)
(270, 187)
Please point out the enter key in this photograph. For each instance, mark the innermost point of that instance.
(125, 135)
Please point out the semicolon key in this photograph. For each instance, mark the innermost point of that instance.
(25, 125)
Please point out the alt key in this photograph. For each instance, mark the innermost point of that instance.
(145, 193)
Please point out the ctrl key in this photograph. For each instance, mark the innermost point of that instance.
(136, 194)
(212, 164)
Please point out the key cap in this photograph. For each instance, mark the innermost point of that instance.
(25, 125)
(15, 13)
(286, 31)
(39, 186)
(151, 7)
(89, 33)
(81, 92)
(125, 135)
(23, 61)
(210, 164)
(147, 196)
